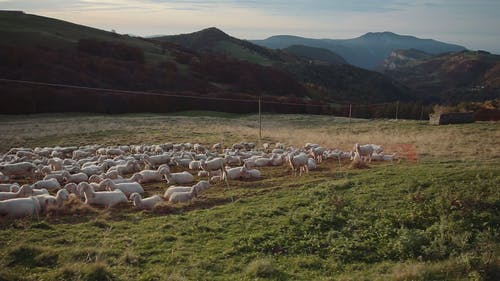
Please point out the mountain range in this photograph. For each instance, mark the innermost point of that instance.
(367, 51)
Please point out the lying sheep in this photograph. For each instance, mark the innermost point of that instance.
(103, 198)
(154, 161)
(75, 178)
(179, 178)
(56, 164)
(147, 176)
(20, 207)
(6, 187)
(24, 191)
(234, 173)
(127, 188)
(47, 200)
(146, 203)
(22, 169)
(251, 174)
(50, 184)
(181, 197)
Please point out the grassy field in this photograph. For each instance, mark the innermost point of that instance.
(434, 219)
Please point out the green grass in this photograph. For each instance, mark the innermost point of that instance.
(437, 219)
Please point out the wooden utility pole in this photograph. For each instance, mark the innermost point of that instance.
(260, 121)
(397, 109)
(350, 112)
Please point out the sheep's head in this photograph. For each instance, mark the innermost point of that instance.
(137, 177)
(25, 190)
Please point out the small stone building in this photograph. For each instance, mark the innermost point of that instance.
(451, 118)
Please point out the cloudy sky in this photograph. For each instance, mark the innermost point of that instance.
(472, 23)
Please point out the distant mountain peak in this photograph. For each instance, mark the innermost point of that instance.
(383, 35)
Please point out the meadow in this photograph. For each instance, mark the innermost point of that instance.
(436, 218)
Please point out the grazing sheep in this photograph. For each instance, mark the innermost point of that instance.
(20, 207)
(146, 203)
(103, 198)
(317, 153)
(179, 178)
(22, 169)
(50, 184)
(298, 162)
(367, 150)
(234, 173)
(127, 188)
(24, 191)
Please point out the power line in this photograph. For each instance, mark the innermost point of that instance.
(118, 92)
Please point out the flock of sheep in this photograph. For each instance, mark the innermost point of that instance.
(98, 175)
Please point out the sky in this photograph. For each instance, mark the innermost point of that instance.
(474, 24)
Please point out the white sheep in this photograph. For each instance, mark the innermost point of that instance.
(24, 191)
(252, 174)
(22, 169)
(56, 164)
(311, 164)
(127, 188)
(148, 176)
(20, 207)
(103, 198)
(214, 164)
(317, 153)
(179, 178)
(75, 178)
(234, 173)
(203, 174)
(298, 162)
(47, 200)
(195, 165)
(146, 203)
(6, 187)
(50, 184)
(216, 179)
(367, 150)
(156, 160)
(180, 197)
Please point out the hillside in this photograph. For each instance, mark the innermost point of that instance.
(205, 63)
(449, 77)
(367, 51)
(315, 55)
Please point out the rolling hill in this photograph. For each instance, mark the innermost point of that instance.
(367, 51)
(315, 55)
(452, 77)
